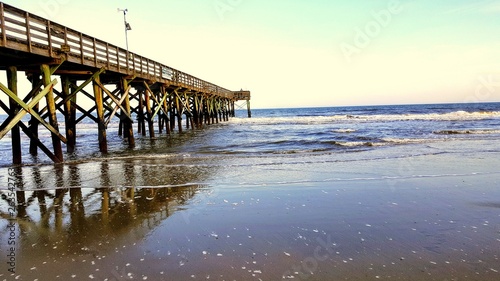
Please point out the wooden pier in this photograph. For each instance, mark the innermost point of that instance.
(124, 84)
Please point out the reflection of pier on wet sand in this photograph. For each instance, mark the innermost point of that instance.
(71, 221)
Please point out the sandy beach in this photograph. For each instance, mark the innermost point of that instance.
(420, 217)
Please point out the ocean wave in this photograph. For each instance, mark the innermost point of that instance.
(344, 131)
(404, 140)
(307, 120)
(467, 132)
(381, 142)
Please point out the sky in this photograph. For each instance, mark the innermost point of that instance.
(292, 53)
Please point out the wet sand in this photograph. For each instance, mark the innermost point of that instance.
(425, 217)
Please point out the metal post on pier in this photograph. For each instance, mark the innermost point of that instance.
(248, 109)
(126, 24)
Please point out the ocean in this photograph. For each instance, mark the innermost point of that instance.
(404, 192)
(312, 131)
(317, 131)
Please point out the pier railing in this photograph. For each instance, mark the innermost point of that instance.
(22, 31)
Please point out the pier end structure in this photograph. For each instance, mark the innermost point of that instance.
(243, 95)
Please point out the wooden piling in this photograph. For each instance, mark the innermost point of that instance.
(35, 87)
(172, 111)
(195, 110)
(149, 113)
(15, 131)
(69, 115)
(165, 109)
(216, 110)
(127, 124)
(226, 109)
(141, 125)
(206, 111)
(179, 112)
(101, 127)
(51, 106)
(211, 110)
(188, 106)
(248, 109)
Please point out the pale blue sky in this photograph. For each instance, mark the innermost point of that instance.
(309, 53)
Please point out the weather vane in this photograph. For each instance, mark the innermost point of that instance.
(127, 25)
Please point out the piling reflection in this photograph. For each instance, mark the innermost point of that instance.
(88, 208)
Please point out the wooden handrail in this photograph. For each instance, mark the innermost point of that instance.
(27, 32)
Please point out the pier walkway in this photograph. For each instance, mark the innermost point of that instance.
(123, 84)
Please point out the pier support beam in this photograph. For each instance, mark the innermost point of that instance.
(149, 113)
(248, 109)
(51, 106)
(15, 132)
(165, 103)
(197, 113)
(178, 107)
(35, 88)
(127, 124)
(171, 103)
(206, 110)
(141, 125)
(69, 114)
(101, 127)
(148, 98)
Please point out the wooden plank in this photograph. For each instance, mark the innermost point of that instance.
(28, 32)
(16, 32)
(13, 21)
(2, 25)
(49, 39)
(82, 59)
(39, 29)
(95, 51)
